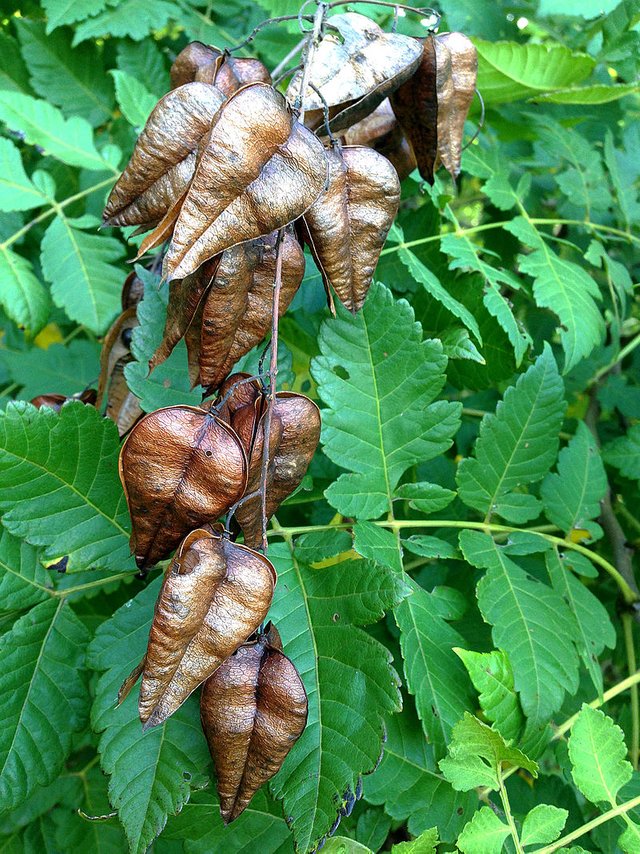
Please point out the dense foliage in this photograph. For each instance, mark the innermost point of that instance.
(456, 573)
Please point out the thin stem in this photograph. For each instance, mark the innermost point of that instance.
(620, 688)
(624, 352)
(507, 814)
(627, 628)
(100, 582)
(271, 394)
(621, 809)
(280, 67)
(307, 59)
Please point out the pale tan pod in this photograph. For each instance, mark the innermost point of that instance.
(456, 96)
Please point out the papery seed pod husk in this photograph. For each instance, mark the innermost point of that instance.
(164, 157)
(132, 291)
(208, 64)
(192, 61)
(123, 407)
(213, 597)
(55, 401)
(395, 147)
(180, 467)
(348, 224)
(415, 105)
(253, 710)
(381, 131)
(259, 170)
(355, 71)
(456, 97)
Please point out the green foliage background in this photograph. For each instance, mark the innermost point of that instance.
(456, 576)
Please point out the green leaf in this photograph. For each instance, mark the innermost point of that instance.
(516, 446)
(379, 379)
(17, 192)
(77, 833)
(492, 678)
(349, 680)
(13, 72)
(61, 487)
(587, 9)
(476, 756)
(22, 295)
(466, 256)
(60, 12)
(68, 140)
(377, 544)
(624, 453)
(144, 62)
(543, 824)
(426, 546)
(373, 828)
(565, 288)
(72, 79)
(23, 580)
(425, 844)
(598, 756)
(319, 545)
(484, 834)
(626, 191)
(60, 369)
(83, 280)
(571, 498)
(134, 18)
(595, 630)
(345, 845)
(508, 71)
(44, 697)
(595, 94)
(434, 674)
(426, 497)
(168, 384)
(531, 623)
(135, 101)
(150, 772)
(409, 785)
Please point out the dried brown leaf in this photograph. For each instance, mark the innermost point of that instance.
(355, 71)
(349, 222)
(455, 95)
(259, 170)
(180, 467)
(253, 710)
(164, 157)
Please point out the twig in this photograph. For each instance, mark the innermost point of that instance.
(280, 67)
(627, 628)
(312, 43)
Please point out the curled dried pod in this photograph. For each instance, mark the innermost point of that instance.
(192, 61)
(132, 291)
(123, 407)
(455, 95)
(380, 130)
(57, 401)
(208, 64)
(347, 225)
(253, 710)
(213, 597)
(180, 467)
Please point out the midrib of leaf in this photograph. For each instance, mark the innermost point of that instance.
(76, 79)
(35, 670)
(379, 419)
(16, 274)
(26, 580)
(150, 788)
(76, 251)
(434, 693)
(511, 76)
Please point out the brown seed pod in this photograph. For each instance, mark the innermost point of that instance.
(57, 401)
(180, 467)
(348, 224)
(259, 170)
(455, 96)
(415, 105)
(381, 131)
(123, 407)
(207, 64)
(213, 597)
(253, 710)
(192, 61)
(354, 70)
(163, 160)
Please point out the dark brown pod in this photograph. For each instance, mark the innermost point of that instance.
(458, 71)
(348, 224)
(123, 407)
(231, 73)
(180, 467)
(132, 291)
(57, 401)
(381, 131)
(253, 710)
(192, 61)
(213, 597)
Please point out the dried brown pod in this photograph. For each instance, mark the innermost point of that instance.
(208, 64)
(348, 224)
(354, 70)
(180, 467)
(395, 147)
(259, 170)
(415, 105)
(132, 291)
(253, 710)
(123, 407)
(454, 96)
(192, 61)
(164, 157)
(213, 597)
(381, 131)
(57, 401)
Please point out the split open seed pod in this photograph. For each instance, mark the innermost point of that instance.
(380, 130)
(214, 596)
(253, 710)
(455, 97)
(123, 407)
(181, 467)
(207, 64)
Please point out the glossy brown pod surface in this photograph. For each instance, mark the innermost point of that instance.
(355, 70)
(163, 159)
(380, 130)
(192, 62)
(415, 105)
(457, 98)
(180, 467)
(259, 170)
(213, 597)
(349, 222)
(253, 710)
(231, 73)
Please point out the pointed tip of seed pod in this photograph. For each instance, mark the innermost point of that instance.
(150, 723)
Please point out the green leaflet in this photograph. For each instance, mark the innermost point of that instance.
(22, 295)
(492, 677)
(426, 843)
(409, 785)
(379, 380)
(144, 62)
(598, 756)
(13, 72)
(60, 485)
(349, 679)
(435, 676)
(485, 832)
(84, 281)
(149, 773)
(76, 833)
(543, 824)
(516, 446)
(624, 453)
(134, 18)
(596, 94)
(17, 191)
(377, 544)
(571, 498)
(135, 101)
(531, 622)
(60, 369)
(23, 580)
(60, 12)
(44, 697)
